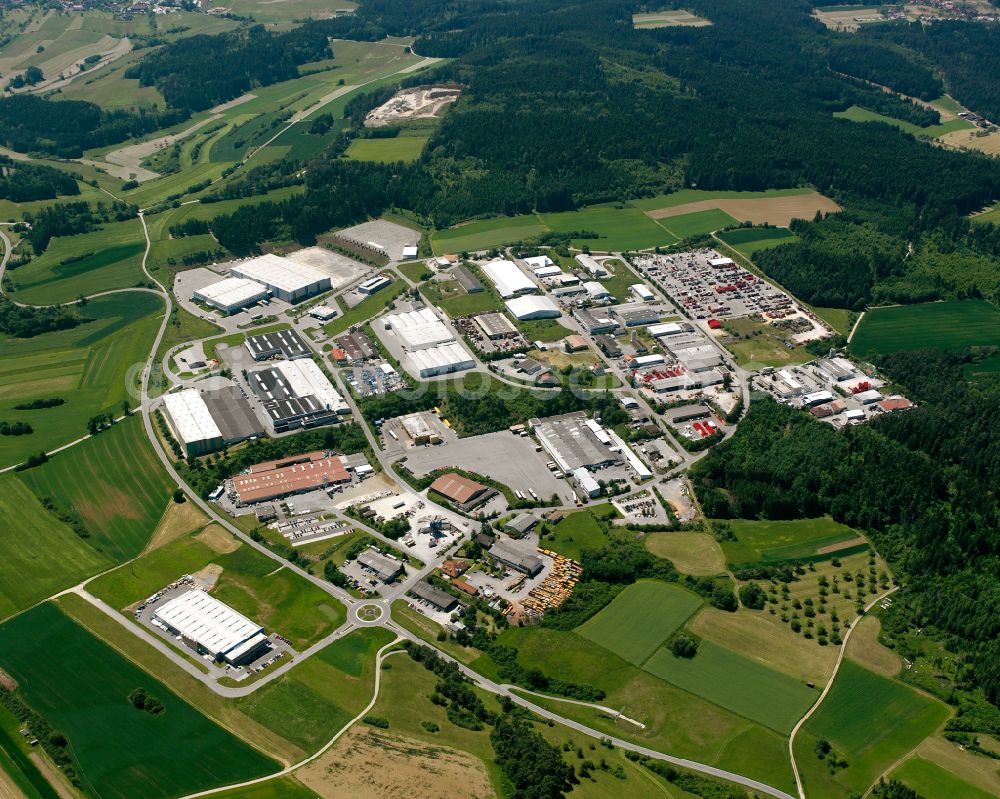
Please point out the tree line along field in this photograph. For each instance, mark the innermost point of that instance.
(952, 325)
(747, 241)
(87, 366)
(81, 687)
(858, 114)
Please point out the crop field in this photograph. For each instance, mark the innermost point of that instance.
(41, 555)
(109, 258)
(747, 241)
(736, 683)
(773, 207)
(87, 367)
(618, 228)
(80, 686)
(386, 151)
(640, 618)
(668, 19)
(698, 223)
(709, 732)
(784, 541)
(871, 722)
(284, 788)
(691, 553)
(857, 114)
(486, 233)
(114, 482)
(931, 781)
(952, 325)
(316, 698)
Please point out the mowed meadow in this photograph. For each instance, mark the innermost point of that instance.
(86, 366)
(81, 686)
(952, 326)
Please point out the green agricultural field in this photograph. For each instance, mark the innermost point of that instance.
(387, 151)
(414, 271)
(114, 483)
(685, 196)
(284, 788)
(857, 114)
(838, 318)
(87, 366)
(80, 686)
(871, 722)
(110, 258)
(309, 704)
(747, 241)
(486, 233)
(618, 228)
(641, 618)
(543, 329)
(698, 223)
(952, 325)
(784, 541)
(708, 733)
(736, 683)
(41, 555)
(931, 781)
(364, 309)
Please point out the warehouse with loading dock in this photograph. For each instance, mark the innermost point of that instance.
(203, 423)
(287, 280)
(294, 475)
(509, 279)
(280, 343)
(212, 628)
(231, 295)
(297, 394)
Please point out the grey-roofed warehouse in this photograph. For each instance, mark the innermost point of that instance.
(572, 443)
(467, 280)
(281, 342)
(495, 325)
(521, 561)
(442, 600)
(384, 567)
(232, 414)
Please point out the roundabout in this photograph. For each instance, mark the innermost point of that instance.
(368, 613)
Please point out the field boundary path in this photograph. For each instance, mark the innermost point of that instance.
(826, 690)
(857, 324)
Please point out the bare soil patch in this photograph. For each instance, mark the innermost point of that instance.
(177, 521)
(53, 775)
(7, 682)
(773, 210)
(216, 538)
(372, 765)
(840, 545)
(864, 648)
(209, 576)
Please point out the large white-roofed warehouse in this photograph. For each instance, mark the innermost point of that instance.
(509, 279)
(191, 422)
(287, 280)
(232, 294)
(419, 330)
(212, 628)
(533, 308)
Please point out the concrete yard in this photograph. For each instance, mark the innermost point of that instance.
(341, 269)
(506, 458)
(390, 236)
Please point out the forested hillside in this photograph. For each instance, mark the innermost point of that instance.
(921, 483)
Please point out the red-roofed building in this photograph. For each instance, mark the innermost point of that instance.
(462, 491)
(715, 324)
(891, 404)
(465, 587)
(454, 568)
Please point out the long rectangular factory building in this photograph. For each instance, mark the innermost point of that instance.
(509, 279)
(276, 479)
(287, 280)
(212, 628)
(297, 394)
